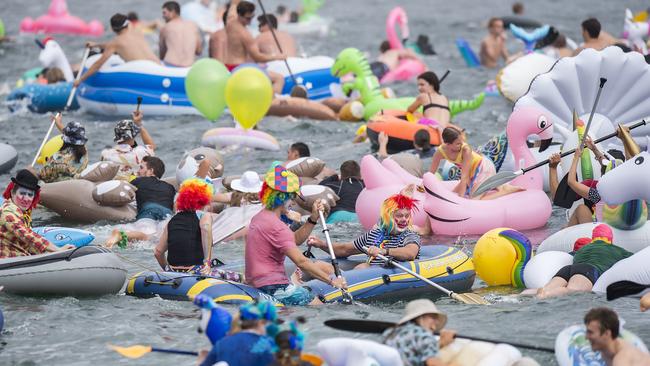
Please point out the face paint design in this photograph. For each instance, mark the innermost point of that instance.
(402, 219)
(24, 198)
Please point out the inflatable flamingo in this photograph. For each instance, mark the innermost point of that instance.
(58, 20)
(52, 55)
(407, 68)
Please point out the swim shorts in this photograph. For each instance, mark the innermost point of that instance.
(583, 269)
(231, 67)
(289, 294)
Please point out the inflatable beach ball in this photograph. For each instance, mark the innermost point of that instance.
(500, 256)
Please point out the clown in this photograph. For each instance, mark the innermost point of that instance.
(393, 236)
(16, 235)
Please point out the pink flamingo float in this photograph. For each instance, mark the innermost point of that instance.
(58, 20)
(407, 68)
(449, 214)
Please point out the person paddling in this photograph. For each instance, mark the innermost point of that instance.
(127, 153)
(71, 159)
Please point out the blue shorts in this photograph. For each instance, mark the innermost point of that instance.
(289, 294)
(153, 211)
(342, 216)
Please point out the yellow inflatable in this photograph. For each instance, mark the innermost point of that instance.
(500, 256)
(52, 146)
(248, 95)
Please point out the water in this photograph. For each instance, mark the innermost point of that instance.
(69, 331)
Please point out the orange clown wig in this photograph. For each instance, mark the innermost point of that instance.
(389, 206)
(194, 194)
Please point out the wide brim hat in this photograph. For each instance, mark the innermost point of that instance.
(24, 178)
(280, 179)
(417, 308)
(249, 182)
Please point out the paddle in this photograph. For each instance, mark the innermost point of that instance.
(444, 76)
(68, 103)
(505, 177)
(139, 350)
(624, 288)
(297, 91)
(372, 326)
(347, 298)
(137, 107)
(467, 298)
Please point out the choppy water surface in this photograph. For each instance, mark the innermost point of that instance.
(69, 331)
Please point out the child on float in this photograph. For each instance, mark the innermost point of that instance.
(71, 159)
(475, 168)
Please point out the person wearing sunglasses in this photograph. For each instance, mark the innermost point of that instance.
(16, 235)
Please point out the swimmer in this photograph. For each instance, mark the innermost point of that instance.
(179, 39)
(435, 106)
(594, 36)
(602, 333)
(266, 42)
(493, 46)
(129, 44)
(218, 44)
(389, 59)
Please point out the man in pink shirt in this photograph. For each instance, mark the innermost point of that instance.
(270, 240)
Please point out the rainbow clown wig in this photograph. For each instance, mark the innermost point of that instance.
(389, 206)
(280, 186)
(194, 194)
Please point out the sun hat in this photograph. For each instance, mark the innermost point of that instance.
(417, 308)
(74, 134)
(280, 179)
(125, 129)
(248, 183)
(24, 178)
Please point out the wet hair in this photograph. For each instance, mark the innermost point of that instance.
(281, 10)
(132, 16)
(271, 19)
(154, 163)
(384, 46)
(493, 20)
(518, 8)
(422, 139)
(301, 148)
(350, 169)
(560, 41)
(293, 17)
(607, 319)
(172, 6)
(432, 79)
(119, 22)
(54, 75)
(78, 151)
(287, 354)
(449, 135)
(592, 26)
(245, 7)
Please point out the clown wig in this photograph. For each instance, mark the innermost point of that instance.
(194, 194)
(389, 206)
(272, 199)
(12, 186)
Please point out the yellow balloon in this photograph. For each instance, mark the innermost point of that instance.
(52, 146)
(249, 95)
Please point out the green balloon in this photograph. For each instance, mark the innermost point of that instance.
(205, 84)
(2, 29)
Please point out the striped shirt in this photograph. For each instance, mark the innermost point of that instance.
(376, 237)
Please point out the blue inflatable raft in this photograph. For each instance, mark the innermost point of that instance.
(40, 98)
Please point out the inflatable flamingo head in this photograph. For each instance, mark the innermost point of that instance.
(526, 121)
(627, 182)
(397, 16)
(27, 25)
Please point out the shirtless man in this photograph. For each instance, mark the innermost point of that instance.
(594, 37)
(241, 46)
(602, 333)
(129, 44)
(493, 46)
(180, 39)
(389, 59)
(265, 41)
(218, 44)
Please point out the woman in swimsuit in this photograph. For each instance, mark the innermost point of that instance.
(435, 106)
(475, 168)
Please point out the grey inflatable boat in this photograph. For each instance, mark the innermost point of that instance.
(85, 271)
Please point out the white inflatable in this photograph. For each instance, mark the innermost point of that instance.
(515, 78)
(634, 268)
(8, 157)
(357, 352)
(52, 55)
(205, 17)
(572, 84)
(315, 26)
(629, 181)
(543, 266)
(563, 240)
(572, 347)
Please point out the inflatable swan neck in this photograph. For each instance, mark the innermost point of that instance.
(529, 38)
(52, 55)
(397, 16)
(58, 8)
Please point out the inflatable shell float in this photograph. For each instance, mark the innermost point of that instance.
(514, 79)
(572, 84)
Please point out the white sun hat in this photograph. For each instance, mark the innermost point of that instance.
(417, 308)
(249, 182)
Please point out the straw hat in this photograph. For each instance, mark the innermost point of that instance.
(249, 182)
(417, 308)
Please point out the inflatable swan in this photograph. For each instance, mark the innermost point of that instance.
(407, 68)
(450, 214)
(52, 55)
(572, 83)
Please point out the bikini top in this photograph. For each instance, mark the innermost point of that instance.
(433, 105)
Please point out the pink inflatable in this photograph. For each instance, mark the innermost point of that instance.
(58, 20)
(450, 214)
(407, 68)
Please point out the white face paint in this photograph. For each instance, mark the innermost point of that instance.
(23, 198)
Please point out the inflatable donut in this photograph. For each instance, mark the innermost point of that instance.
(500, 256)
(543, 266)
(73, 200)
(301, 108)
(189, 163)
(306, 167)
(227, 136)
(114, 193)
(101, 171)
(310, 193)
(400, 134)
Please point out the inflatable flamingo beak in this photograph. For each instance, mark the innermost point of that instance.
(545, 144)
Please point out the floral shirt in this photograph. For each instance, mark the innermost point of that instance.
(16, 235)
(62, 166)
(128, 157)
(414, 343)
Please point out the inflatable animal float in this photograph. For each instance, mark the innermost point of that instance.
(407, 68)
(58, 20)
(636, 33)
(309, 23)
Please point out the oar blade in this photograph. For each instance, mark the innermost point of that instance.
(299, 91)
(494, 181)
(624, 288)
(359, 325)
(133, 352)
(470, 298)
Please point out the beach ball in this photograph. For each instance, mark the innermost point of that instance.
(248, 95)
(50, 148)
(630, 215)
(205, 85)
(500, 256)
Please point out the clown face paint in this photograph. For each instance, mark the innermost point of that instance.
(23, 198)
(402, 219)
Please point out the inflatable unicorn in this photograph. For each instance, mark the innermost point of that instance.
(449, 214)
(407, 68)
(52, 55)
(58, 20)
(636, 32)
(629, 181)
